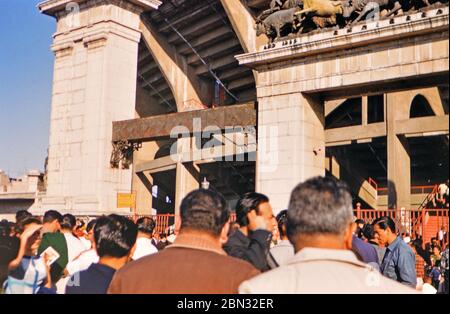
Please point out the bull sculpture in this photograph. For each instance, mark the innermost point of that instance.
(272, 25)
(295, 14)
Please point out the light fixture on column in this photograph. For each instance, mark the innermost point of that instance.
(205, 184)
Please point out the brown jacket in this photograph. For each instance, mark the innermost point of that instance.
(192, 265)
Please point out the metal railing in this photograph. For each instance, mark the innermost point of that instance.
(165, 221)
(416, 222)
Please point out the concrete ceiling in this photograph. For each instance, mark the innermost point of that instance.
(207, 28)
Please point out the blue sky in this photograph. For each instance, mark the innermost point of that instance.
(26, 70)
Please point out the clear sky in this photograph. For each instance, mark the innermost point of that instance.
(26, 70)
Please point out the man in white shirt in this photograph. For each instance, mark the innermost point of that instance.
(87, 258)
(284, 250)
(144, 245)
(74, 246)
(320, 226)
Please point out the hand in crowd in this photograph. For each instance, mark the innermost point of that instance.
(259, 222)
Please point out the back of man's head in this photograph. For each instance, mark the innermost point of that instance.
(114, 236)
(204, 210)
(146, 225)
(91, 224)
(68, 222)
(22, 215)
(5, 229)
(368, 232)
(319, 206)
(52, 215)
(281, 221)
(246, 204)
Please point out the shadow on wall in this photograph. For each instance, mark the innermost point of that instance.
(392, 195)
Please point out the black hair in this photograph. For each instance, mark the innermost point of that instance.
(246, 204)
(91, 225)
(359, 221)
(51, 216)
(368, 232)
(281, 220)
(68, 222)
(5, 228)
(146, 225)
(80, 224)
(114, 236)
(384, 223)
(204, 210)
(22, 215)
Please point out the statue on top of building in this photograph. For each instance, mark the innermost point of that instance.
(293, 17)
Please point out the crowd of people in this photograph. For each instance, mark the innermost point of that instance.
(315, 246)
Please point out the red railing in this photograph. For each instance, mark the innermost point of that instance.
(373, 183)
(163, 222)
(418, 189)
(424, 223)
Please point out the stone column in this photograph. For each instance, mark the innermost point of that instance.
(399, 162)
(291, 144)
(186, 177)
(96, 49)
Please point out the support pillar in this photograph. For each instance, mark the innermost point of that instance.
(399, 162)
(187, 179)
(291, 144)
(96, 49)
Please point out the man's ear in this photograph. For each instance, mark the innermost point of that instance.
(348, 236)
(177, 225)
(224, 233)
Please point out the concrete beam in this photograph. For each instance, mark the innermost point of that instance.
(162, 126)
(244, 25)
(217, 35)
(158, 165)
(179, 75)
(355, 133)
(214, 50)
(216, 64)
(199, 27)
(424, 125)
(332, 105)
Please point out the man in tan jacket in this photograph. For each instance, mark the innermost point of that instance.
(195, 263)
(320, 225)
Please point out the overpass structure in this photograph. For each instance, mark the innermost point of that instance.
(155, 97)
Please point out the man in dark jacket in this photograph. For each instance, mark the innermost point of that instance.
(251, 242)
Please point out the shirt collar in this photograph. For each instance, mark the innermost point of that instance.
(394, 244)
(317, 254)
(196, 242)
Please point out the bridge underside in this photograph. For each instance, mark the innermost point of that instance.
(368, 105)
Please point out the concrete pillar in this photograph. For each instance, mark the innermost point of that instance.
(187, 179)
(291, 144)
(365, 110)
(144, 197)
(96, 49)
(399, 162)
(186, 182)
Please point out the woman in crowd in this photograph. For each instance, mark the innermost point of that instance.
(29, 273)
